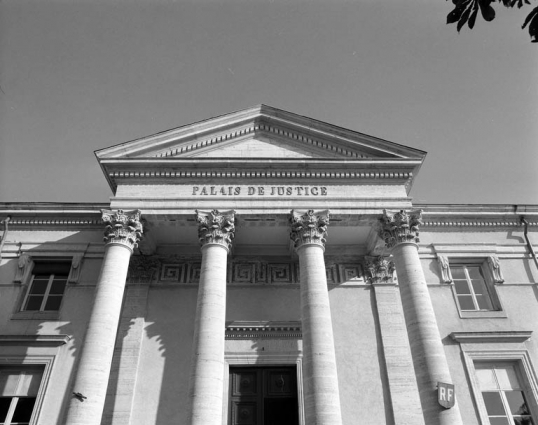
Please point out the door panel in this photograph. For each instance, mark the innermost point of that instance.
(263, 396)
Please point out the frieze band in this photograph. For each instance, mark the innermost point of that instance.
(260, 272)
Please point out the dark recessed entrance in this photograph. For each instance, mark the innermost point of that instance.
(263, 396)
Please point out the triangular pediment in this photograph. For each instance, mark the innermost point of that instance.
(260, 132)
(260, 143)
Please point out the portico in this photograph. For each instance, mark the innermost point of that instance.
(269, 218)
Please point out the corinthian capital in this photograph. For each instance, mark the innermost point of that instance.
(215, 227)
(381, 269)
(398, 227)
(123, 227)
(309, 228)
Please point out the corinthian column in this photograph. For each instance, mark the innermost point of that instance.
(321, 395)
(122, 234)
(215, 231)
(400, 232)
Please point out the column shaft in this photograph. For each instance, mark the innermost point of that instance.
(206, 386)
(429, 357)
(320, 380)
(94, 367)
(215, 232)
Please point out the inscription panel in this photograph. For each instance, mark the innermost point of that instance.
(266, 191)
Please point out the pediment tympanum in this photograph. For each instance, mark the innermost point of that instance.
(260, 132)
(259, 153)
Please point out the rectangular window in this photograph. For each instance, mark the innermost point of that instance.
(503, 393)
(263, 396)
(46, 289)
(473, 290)
(19, 387)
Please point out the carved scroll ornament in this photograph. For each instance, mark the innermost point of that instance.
(309, 228)
(445, 269)
(399, 227)
(123, 227)
(76, 263)
(215, 227)
(495, 267)
(24, 266)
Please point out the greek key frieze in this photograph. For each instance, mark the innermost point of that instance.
(259, 272)
(173, 272)
(351, 272)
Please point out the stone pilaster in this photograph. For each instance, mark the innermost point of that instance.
(320, 379)
(215, 232)
(122, 233)
(404, 395)
(400, 232)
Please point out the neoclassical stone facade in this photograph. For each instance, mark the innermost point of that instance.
(260, 268)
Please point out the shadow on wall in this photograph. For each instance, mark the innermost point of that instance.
(70, 319)
(389, 416)
(163, 380)
(527, 263)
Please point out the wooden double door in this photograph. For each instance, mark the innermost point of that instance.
(263, 396)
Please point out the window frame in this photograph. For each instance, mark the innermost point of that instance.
(19, 311)
(45, 295)
(522, 362)
(489, 282)
(21, 362)
(502, 392)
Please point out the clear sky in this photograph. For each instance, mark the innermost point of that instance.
(81, 75)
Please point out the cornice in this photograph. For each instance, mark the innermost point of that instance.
(474, 210)
(261, 174)
(50, 340)
(257, 330)
(63, 208)
(494, 336)
(477, 215)
(169, 153)
(474, 223)
(54, 222)
(52, 214)
(172, 170)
